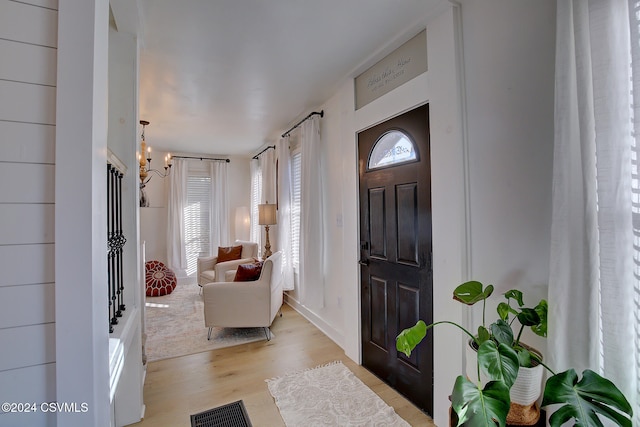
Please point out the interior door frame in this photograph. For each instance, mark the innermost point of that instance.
(357, 198)
(362, 167)
(451, 206)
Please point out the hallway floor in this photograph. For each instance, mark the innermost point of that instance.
(176, 388)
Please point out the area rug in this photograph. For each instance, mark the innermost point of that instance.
(330, 395)
(175, 326)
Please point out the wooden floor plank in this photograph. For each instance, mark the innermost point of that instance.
(178, 387)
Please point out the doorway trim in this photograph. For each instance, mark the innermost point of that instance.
(443, 88)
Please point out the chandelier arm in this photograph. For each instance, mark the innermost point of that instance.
(160, 174)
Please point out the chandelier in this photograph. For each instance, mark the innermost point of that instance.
(145, 162)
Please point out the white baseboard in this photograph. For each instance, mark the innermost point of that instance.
(317, 321)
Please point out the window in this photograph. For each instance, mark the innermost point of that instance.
(392, 148)
(296, 186)
(197, 220)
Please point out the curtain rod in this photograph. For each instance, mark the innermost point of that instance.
(201, 158)
(321, 113)
(258, 155)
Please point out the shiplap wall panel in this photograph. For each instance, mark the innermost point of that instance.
(27, 142)
(29, 63)
(40, 419)
(28, 24)
(23, 102)
(32, 384)
(13, 299)
(26, 224)
(27, 346)
(35, 382)
(27, 264)
(39, 188)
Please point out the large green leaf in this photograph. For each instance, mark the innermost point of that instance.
(583, 400)
(408, 339)
(483, 335)
(480, 408)
(504, 310)
(516, 295)
(528, 317)
(524, 357)
(471, 292)
(502, 332)
(541, 309)
(500, 363)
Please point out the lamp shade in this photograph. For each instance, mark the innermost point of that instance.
(267, 214)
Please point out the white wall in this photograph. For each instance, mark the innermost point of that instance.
(340, 318)
(153, 219)
(82, 337)
(509, 56)
(122, 132)
(28, 50)
(53, 122)
(498, 167)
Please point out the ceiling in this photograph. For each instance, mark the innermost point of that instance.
(226, 77)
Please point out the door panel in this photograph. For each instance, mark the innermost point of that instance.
(395, 272)
(377, 216)
(408, 314)
(379, 312)
(407, 223)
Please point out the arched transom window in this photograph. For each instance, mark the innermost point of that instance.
(392, 148)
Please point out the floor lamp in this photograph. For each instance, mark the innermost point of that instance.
(267, 217)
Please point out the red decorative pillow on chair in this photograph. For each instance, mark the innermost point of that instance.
(229, 253)
(248, 272)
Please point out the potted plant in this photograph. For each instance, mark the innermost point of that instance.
(526, 388)
(501, 356)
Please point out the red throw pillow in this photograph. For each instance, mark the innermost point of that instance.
(229, 253)
(248, 272)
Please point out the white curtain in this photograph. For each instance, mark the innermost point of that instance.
(256, 198)
(219, 210)
(593, 291)
(311, 217)
(268, 169)
(177, 200)
(284, 211)
(268, 194)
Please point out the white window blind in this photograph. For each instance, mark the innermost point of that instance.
(197, 220)
(296, 186)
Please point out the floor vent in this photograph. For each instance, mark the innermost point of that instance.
(230, 415)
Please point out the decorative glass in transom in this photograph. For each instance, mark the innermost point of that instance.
(392, 148)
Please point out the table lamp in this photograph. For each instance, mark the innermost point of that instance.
(267, 217)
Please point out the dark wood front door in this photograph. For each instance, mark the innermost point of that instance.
(395, 251)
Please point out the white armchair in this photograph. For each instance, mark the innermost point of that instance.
(210, 270)
(246, 304)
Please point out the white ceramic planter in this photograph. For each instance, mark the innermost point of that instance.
(528, 386)
(524, 393)
(525, 390)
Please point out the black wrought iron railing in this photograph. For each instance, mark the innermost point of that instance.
(115, 241)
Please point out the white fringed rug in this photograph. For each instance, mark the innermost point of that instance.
(330, 395)
(175, 326)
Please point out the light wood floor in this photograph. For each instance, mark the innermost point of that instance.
(176, 388)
